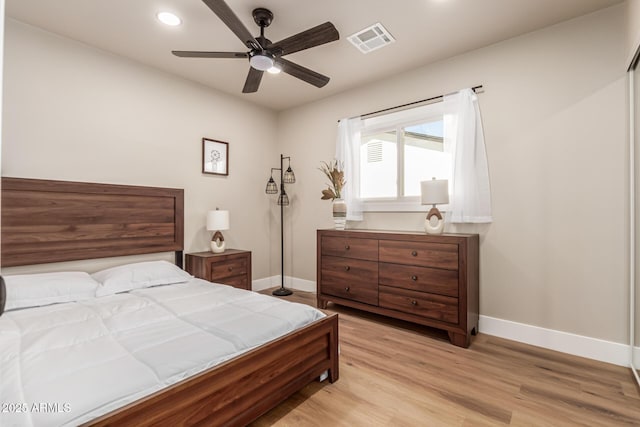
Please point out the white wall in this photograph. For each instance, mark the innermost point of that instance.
(73, 112)
(555, 127)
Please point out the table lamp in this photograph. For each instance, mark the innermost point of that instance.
(434, 192)
(217, 221)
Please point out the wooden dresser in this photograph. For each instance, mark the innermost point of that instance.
(231, 267)
(427, 279)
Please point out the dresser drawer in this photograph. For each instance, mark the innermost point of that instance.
(222, 269)
(420, 303)
(437, 255)
(352, 279)
(422, 279)
(350, 247)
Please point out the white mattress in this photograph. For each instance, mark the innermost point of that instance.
(65, 364)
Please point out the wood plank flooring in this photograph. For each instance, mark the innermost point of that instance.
(394, 373)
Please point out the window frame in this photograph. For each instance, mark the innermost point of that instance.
(400, 203)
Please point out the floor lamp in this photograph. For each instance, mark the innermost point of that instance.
(286, 177)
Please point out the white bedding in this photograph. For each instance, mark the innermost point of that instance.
(65, 364)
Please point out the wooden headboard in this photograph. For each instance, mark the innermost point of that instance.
(51, 221)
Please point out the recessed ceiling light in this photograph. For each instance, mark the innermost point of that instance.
(169, 18)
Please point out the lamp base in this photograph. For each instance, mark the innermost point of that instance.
(434, 223)
(282, 292)
(217, 243)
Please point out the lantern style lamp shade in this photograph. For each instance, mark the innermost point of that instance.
(272, 188)
(434, 192)
(217, 221)
(289, 177)
(283, 199)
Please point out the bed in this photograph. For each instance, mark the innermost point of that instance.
(49, 221)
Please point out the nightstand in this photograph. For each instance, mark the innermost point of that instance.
(231, 267)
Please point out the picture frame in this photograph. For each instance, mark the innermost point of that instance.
(215, 157)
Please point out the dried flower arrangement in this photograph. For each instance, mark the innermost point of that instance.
(335, 172)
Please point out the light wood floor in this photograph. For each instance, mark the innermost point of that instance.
(394, 373)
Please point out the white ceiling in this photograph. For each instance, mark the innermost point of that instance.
(425, 31)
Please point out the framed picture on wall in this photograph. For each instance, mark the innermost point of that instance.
(215, 157)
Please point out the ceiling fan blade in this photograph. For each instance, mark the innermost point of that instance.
(224, 12)
(295, 70)
(316, 36)
(253, 81)
(195, 54)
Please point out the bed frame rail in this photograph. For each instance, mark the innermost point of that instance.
(242, 389)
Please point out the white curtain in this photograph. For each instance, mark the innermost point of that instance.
(348, 154)
(463, 137)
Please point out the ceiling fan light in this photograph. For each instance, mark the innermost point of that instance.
(169, 18)
(275, 69)
(261, 62)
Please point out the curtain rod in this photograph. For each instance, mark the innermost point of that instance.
(476, 89)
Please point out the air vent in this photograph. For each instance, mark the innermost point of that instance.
(371, 38)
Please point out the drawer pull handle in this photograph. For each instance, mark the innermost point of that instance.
(346, 289)
(347, 268)
(414, 302)
(414, 278)
(230, 268)
(346, 247)
(414, 253)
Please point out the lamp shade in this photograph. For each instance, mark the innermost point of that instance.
(289, 176)
(217, 220)
(434, 192)
(283, 199)
(272, 188)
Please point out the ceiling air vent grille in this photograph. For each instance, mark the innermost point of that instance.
(371, 38)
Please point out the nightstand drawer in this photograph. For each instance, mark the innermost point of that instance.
(436, 307)
(236, 282)
(228, 268)
(352, 279)
(437, 255)
(231, 267)
(366, 249)
(422, 279)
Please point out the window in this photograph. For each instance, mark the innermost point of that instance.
(396, 155)
(387, 156)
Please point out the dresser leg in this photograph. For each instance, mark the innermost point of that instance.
(322, 304)
(461, 340)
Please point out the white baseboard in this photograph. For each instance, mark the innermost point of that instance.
(289, 282)
(578, 345)
(261, 284)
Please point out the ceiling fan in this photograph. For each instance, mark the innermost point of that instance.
(264, 55)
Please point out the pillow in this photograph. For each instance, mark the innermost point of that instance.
(3, 295)
(139, 275)
(33, 290)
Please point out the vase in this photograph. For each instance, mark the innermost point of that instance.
(339, 214)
